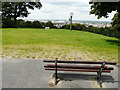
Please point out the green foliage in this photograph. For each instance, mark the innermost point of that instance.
(28, 24)
(7, 22)
(90, 28)
(80, 27)
(21, 23)
(18, 9)
(49, 24)
(101, 9)
(116, 22)
(66, 26)
(36, 24)
(75, 26)
(107, 31)
(117, 34)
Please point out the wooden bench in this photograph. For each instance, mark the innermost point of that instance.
(70, 65)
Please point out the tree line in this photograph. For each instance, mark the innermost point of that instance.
(107, 31)
(9, 23)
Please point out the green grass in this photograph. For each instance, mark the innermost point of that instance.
(63, 44)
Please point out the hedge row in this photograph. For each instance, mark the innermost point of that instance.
(8, 23)
(107, 31)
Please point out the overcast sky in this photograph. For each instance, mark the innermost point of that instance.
(60, 9)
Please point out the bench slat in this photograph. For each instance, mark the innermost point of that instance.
(78, 70)
(84, 62)
(78, 66)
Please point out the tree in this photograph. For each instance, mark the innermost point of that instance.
(116, 22)
(8, 22)
(77, 26)
(66, 26)
(101, 9)
(28, 24)
(49, 24)
(20, 23)
(18, 9)
(36, 24)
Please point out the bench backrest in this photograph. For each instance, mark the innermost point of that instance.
(82, 62)
(84, 68)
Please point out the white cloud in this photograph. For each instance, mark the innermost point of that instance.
(60, 9)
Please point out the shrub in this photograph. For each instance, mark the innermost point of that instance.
(8, 23)
(108, 31)
(36, 24)
(20, 23)
(49, 24)
(75, 26)
(28, 24)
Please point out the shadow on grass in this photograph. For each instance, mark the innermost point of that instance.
(114, 42)
(88, 77)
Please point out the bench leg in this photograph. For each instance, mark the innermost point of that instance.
(98, 75)
(56, 72)
(55, 77)
(99, 82)
(100, 72)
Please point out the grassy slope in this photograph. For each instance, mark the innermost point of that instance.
(64, 44)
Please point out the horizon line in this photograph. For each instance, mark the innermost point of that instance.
(67, 20)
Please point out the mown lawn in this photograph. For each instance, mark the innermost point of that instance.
(63, 44)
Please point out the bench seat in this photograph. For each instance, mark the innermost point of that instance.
(78, 70)
(77, 66)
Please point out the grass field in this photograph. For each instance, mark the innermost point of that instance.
(63, 44)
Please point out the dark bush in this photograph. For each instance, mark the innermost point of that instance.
(107, 31)
(36, 24)
(8, 23)
(77, 26)
(28, 24)
(49, 24)
(20, 23)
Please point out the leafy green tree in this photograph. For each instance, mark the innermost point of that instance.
(18, 9)
(36, 24)
(28, 24)
(76, 26)
(8, 22)
(116, 22)
(84, 28)
(102, 9)
(20, 23)
(66, 26)
(90, 28)
(49, 24)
